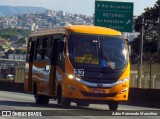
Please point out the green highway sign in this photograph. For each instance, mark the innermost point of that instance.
(116, 15)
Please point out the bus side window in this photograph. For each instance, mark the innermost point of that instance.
(28, 49)
(47, 48)
(36, 52)
(64, 48)
(54, 52)
(39, 50)
(61, 53)
(57, 50)
(31, 51)
(42, 49)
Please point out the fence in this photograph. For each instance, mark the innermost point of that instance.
(19, 77)
(150, 76)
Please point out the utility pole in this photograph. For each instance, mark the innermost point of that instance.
(141, 51)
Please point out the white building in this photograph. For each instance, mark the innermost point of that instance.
(34, 27)
(49, 13)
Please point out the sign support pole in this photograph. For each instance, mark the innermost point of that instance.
(141, 53)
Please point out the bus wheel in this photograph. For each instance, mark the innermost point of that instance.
(45, 100)
(40, 99)
(61, 100)
(59, 95)
(66, 102)
(113, 105)
(82, 104)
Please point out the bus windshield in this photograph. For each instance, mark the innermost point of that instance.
(97, 51)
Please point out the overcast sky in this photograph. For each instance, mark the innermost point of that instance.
(75, 6)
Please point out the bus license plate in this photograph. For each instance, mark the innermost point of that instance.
(99, 91)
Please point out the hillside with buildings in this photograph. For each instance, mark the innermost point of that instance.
(14, 10)
(35, 21)
(14, 29)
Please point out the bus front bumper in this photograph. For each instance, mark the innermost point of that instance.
(117, 91)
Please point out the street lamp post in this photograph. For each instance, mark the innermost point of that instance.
(141, 52)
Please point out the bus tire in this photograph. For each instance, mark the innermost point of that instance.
(82, 104)
(40, 99)
(113, 105)
(59, 95)
(60, 99)
(45, 100)
(66, 102)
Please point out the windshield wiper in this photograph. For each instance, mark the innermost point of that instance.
(109, 63)
(107, 59)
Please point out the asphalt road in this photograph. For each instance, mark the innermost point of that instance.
(22, 105)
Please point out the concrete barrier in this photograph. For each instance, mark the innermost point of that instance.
(12, 86)
(144, 97)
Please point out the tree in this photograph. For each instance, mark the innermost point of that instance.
(21, 41)
(1, 48)
(18, 51)
(10, 51)
(8, 32)
(151, 27)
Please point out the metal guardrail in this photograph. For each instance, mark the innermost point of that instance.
(150, 76)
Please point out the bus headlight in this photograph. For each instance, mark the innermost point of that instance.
(124, 80)
(124, 90)
(70, 76)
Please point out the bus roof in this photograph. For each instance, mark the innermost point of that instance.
(93, 30)
(78, 29)
(49, 31)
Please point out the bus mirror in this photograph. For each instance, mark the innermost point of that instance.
(47, 67)
(130, 50)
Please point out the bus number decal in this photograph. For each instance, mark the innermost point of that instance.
(79, 72)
